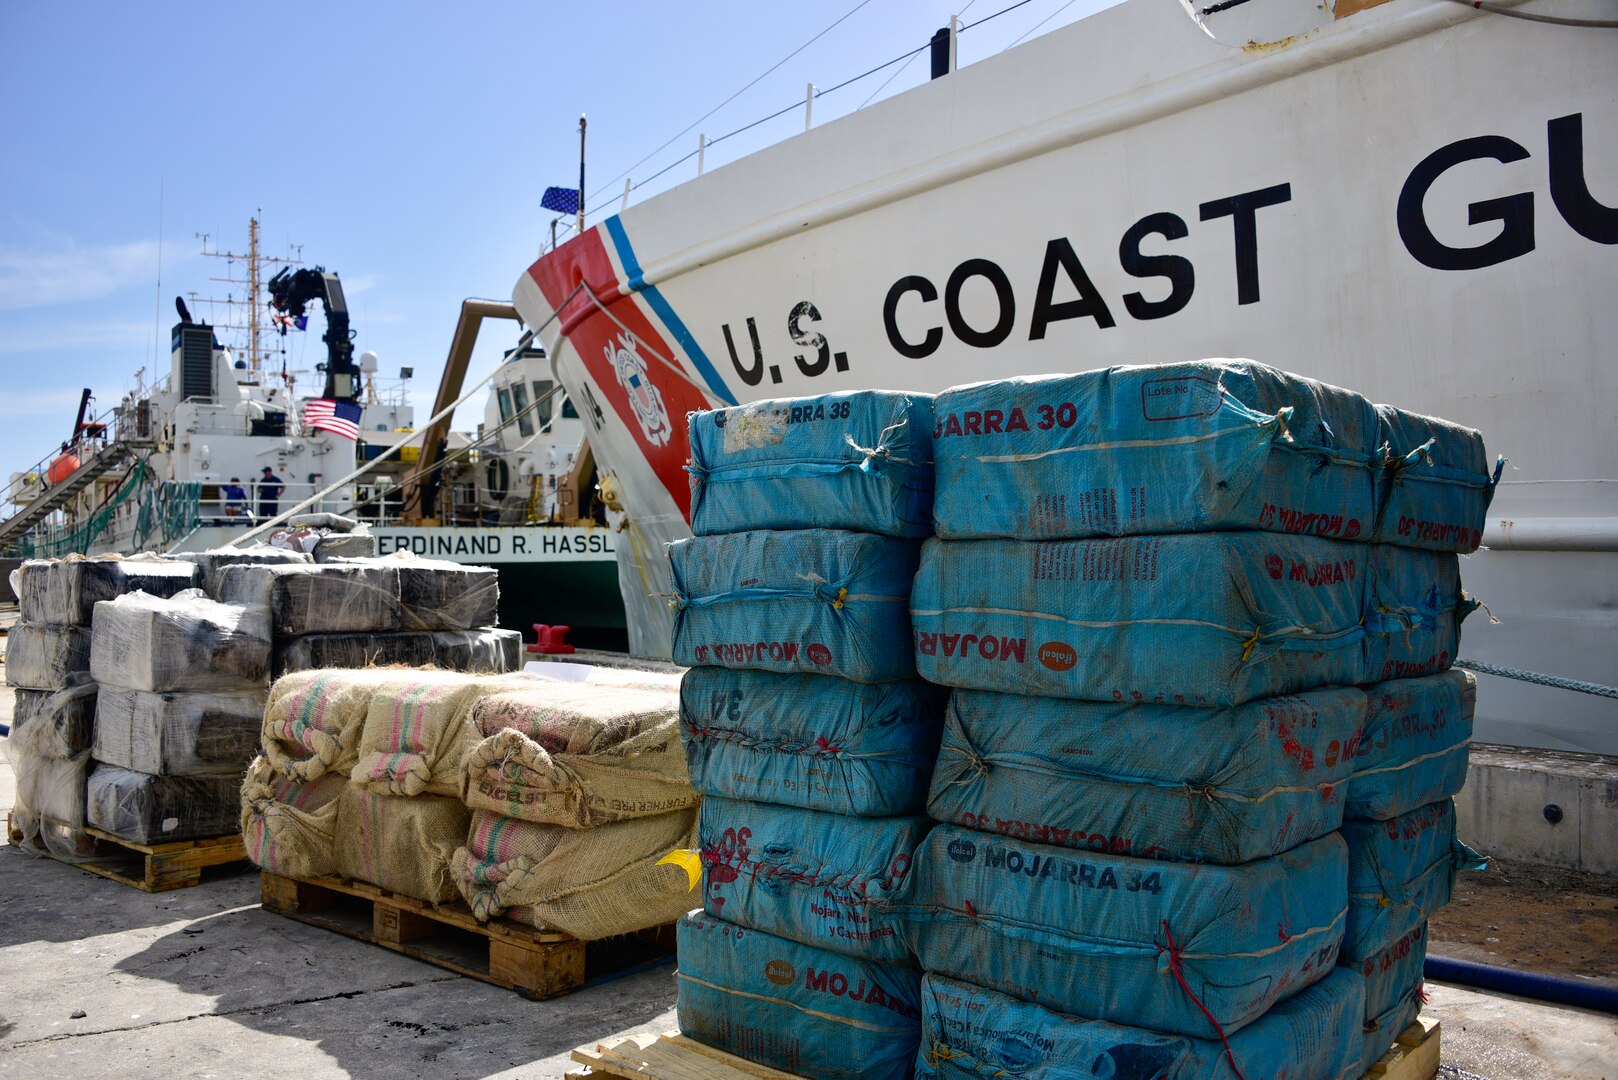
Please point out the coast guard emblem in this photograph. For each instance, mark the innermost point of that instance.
(644, 398)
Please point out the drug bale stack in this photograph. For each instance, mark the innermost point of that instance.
(48, 664)
(805, 728)
(1145, 862)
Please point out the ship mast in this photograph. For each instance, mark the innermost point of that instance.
(256, 262)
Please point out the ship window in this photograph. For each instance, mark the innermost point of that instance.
(544, 401)
(568, 411)
(525, 419)
(504, 397)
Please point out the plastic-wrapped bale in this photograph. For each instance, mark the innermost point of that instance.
(1393, 991)
(178, 733)
(970, 1032)
(826, 880)
(1192, 447)
(1400, 871)
(354, 545)
(1110, 937)
(183, 642)
(577, 754)
(864, 749)
(860, 460)
(1243, 782)
(417, 731)
(65, 592)
(1414, 605)
(335, 598)
(821, 601)
(149, 809)
(65, 718)
(591, 883)
(49, 806)
(314, 651)
(47, 657)
(313, 719)
(1436, 486)
(790, 1006)
(1194, 619)
(1418, 733)
(487, 650)
(212, 563)
(290, 829)
(439, 595)
(403, 845)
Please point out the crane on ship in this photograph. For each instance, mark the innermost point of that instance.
(291, 292)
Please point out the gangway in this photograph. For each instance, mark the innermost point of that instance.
(57, 495)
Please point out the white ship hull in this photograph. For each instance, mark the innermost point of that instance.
(1398, 203)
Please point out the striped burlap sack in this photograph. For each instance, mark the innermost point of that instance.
(418, 730)
(313, 719)
(591, 883)
(578, 754)
(290, 828)
(403, 845)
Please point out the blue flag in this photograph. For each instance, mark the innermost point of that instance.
(563, 200)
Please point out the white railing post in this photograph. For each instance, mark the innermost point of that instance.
(628, 183)
(702, 152)
(808, 106)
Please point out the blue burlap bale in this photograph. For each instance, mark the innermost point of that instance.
(1191, 447)
(1192, 619)
(820, 600)
(790, 1006)
(971, 1032)
(1414, 606)
(865, 749)
(1400, 871)
(860, 459)
(1171, 782)
(1436, 485)
(1417, 737)
(826, 880)
(1393, 982)
(1130, 940)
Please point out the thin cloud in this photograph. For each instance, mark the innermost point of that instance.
(72, 274)
(133, 336)
(33, 403)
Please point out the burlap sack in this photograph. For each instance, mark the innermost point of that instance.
(403, 845)
(591, 883)
(313, 719)
(417, 732)
(288, 828)
(578, 754)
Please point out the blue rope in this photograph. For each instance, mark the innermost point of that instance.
(1540, 680)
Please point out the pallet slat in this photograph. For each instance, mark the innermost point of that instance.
(151, 868)
(674, 1057)
(535, 963)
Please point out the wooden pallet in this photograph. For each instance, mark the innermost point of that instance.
(151, 868)
(1413, 1057)
(537, 964)
(668, 1057)
(675, 1057)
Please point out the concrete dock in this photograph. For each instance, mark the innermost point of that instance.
(97, 978)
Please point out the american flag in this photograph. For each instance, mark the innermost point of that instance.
(338, 417)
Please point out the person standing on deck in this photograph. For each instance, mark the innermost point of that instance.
(269, 494)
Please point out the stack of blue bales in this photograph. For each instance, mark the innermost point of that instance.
(805, 728)
(1157, 592)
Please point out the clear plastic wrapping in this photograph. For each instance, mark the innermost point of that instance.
(577, 754)
(403, 845)
(486, 651)
(47, 815)
(336, 598)
(149, 809)
(435, 594)
(363, 650)
(64, 592)
(40, 657)
(332, 546)
(288, 828)
(212, 563)
(184, 642)
(591, 883)
(178, 733)
(65, 718)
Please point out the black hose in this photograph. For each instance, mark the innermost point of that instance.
(1528, 984)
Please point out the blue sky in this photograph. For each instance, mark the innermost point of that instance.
(404, 145)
